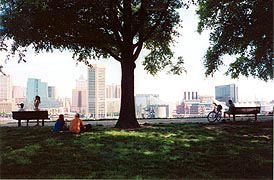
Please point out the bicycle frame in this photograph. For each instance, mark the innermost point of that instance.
(215, 114)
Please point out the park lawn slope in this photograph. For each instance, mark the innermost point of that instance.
(241, 150)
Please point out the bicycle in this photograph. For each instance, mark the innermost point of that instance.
(215, 114)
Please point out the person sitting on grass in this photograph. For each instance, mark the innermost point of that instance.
(60, 124)
(77, 126)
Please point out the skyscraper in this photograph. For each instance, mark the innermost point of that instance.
(79, 96)
(224, 93)
(113, 100)
(51, 92)
(36, 87)
(46, 93)
(18, 94)
(6, 104)
(5, 88)
(96, 91)
(113, 91)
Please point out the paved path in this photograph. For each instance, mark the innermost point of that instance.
(141, 121)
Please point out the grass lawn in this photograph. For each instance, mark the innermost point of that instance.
(241, 150)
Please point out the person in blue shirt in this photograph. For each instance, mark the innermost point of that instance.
(60, 124)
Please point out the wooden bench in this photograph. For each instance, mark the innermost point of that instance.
(245, 110)
(30, 115)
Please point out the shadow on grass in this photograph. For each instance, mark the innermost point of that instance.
(164, 151)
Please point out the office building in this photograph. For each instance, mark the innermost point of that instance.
(18, 94)
(5, 88)
(113, 100)
(6, 104)
(97, 91)
(224, 93)
(79, 96)
(46, 93)
(36, 87)
(51, 92)
(113, 91)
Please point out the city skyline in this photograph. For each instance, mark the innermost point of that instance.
(147, 105)
(181, 96)
(59, 69)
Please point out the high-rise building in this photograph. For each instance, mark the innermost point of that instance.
(18, 94)
(47, 94)
(52, 92)
(81, 83)
(113, 91)
(79, 96)
(5, 88)
(6, 104)
(113, 100)
(97, 91)
(36, 87)
(224, 93)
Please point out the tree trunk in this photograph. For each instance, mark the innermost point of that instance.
(127, 118)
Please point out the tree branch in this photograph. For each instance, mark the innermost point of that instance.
(152, 29)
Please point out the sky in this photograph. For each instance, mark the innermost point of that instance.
(60, 70)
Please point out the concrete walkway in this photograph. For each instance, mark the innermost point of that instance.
(141, 121)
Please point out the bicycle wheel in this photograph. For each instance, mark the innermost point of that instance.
(211, 117)
(218, 116)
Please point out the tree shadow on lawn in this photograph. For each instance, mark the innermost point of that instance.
(163, 151)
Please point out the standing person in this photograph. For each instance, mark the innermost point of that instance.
(76, 125)
(231, 108)
(36, 105)
(37, 101)
(60, 124)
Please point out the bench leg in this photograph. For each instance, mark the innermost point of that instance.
(233, 117)
(27, 122)
(19, 122)
(42, 122)
(255, 117)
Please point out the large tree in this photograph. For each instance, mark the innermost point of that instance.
(95, 29)
(242, 28)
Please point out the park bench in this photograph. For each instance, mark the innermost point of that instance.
(246, 110)
(30, 115)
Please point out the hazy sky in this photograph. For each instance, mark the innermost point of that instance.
(60, 70)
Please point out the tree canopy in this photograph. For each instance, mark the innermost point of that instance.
(95, 28)
(240, 28)
(98, 28)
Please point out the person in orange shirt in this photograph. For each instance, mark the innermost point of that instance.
(76, 125)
